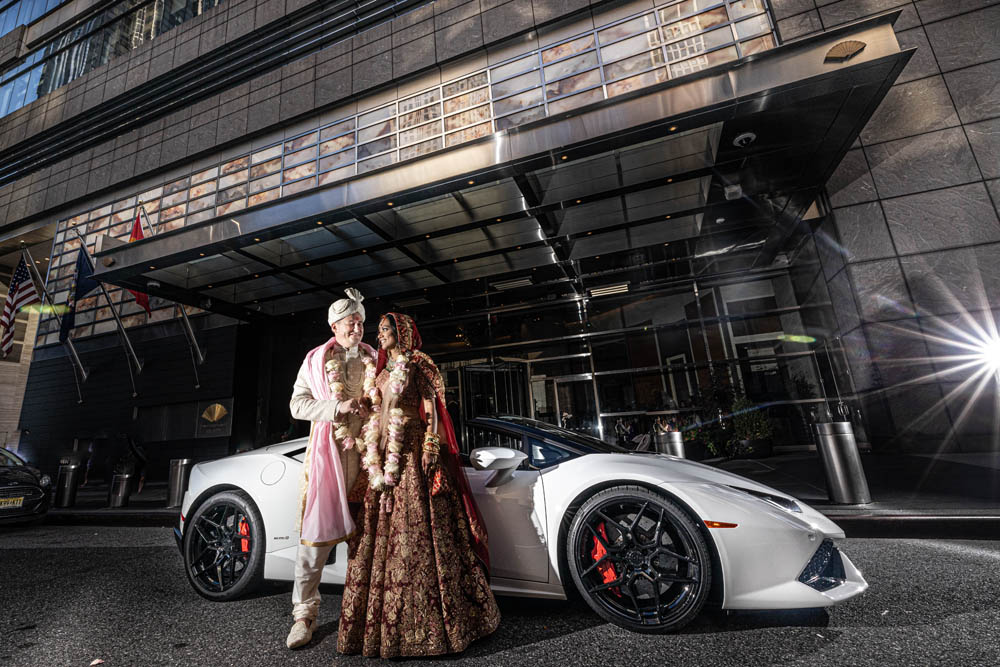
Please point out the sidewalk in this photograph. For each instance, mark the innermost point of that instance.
(148, 508)
(914, 495)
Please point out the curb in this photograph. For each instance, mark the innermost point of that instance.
(920, 526)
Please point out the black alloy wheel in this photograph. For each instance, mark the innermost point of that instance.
(224, 547)
(639, 560)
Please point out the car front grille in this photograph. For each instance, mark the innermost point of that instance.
(825, 570)
(28, 492)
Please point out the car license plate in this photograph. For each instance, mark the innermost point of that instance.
(11, 503)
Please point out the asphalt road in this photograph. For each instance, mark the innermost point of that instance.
(74, 594)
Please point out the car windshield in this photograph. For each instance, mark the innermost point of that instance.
(580, 440)
(9, 458)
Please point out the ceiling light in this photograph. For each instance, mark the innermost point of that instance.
(201, 254)
(577, 201)
(319, 222)
(152, 267)
(670, 180)
(564, 157)
(498, 219)
(472, 182)
(390, 203)
(745, 139)
(609, 289)
(719, 221)
(734, 191)
(666, 217)
(256, 239)
(513, 283)
(673, 128)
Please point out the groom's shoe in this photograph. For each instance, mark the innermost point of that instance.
(300, 634)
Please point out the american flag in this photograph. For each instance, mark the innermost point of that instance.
(21, 293)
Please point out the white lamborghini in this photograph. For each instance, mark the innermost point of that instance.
(645, 539)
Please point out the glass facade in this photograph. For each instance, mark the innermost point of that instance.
(706, 336)
(110, 33)
(24, 12)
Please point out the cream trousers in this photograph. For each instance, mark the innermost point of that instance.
(309, 562)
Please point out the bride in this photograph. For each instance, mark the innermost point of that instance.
(418, 574)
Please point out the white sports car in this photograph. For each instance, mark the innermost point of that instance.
(646, 539)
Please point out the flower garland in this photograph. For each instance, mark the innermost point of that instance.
(335, 376)
(380, 477)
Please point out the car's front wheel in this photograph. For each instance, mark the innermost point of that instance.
(224, 546)
(639, 560)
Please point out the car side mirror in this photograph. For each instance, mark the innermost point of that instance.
(501, 459)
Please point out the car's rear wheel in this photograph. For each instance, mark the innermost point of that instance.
(639, 560)
(224, 546)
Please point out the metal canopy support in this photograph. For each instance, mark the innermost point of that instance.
(68, 343)
(123, 335)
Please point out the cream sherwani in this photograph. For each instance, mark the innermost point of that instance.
(310, 560)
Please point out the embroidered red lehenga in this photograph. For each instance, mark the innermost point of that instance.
(417, 578)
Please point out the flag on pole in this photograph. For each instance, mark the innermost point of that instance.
(22, 292)
(141, 298)
(84, 284)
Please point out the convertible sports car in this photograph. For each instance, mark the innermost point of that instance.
(646, 539)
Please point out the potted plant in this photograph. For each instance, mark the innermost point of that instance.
(751, 430)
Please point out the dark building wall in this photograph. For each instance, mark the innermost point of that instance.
(912, 249)
(429, 35)
(51, 417)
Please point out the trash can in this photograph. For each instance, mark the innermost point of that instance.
(66, 484)
(118, 492)
(180, 471)
(670, 442)
(846, 483)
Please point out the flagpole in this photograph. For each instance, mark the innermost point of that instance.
(129, 350)
(68, 343)
(197, 356)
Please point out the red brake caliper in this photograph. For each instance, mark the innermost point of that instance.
(606, 569)
(244, 530)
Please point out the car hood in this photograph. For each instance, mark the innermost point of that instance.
(672, 469)
(16, 477)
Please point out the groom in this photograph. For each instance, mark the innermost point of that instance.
(329, 392)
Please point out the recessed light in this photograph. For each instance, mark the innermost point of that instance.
(256, 239)
(152, 267)
(589, 233)
(319, 222)
(201, 254)
(427, 236)
(307, 263)
(256, 275)
(364, 250)
(209, 287)
(390, 203)
(719, 221)
(670, 180)
(498, 219)
(455, 260)
(577, 201)
(666, 217)
(598, 257)
(564, 157)
(673, 128)
(472, 182)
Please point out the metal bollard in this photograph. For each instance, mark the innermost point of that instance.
(671, 442)
(845, 477)
(180, 471)
(118, 493)
(66, 484)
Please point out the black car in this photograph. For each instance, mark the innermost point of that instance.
(24, 490)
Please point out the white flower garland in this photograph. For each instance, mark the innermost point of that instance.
(335, 376)
(379, 477)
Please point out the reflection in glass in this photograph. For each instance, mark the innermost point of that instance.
(703, 62)
(517, 83)
(510, 69)
(631, 46)
(571, 66)
(518, 118)
(517, 102)
(419, 133)
(567, 103)
(627, 28)
(568, 48)
(634, 64)
(696, 24)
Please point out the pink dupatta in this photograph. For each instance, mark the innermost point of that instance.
(326, 518)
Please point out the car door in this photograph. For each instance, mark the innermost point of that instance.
(514, 511)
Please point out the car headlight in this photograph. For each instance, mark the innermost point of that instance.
(778, 501)
(44, 480)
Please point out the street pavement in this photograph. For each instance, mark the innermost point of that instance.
(73, 594)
